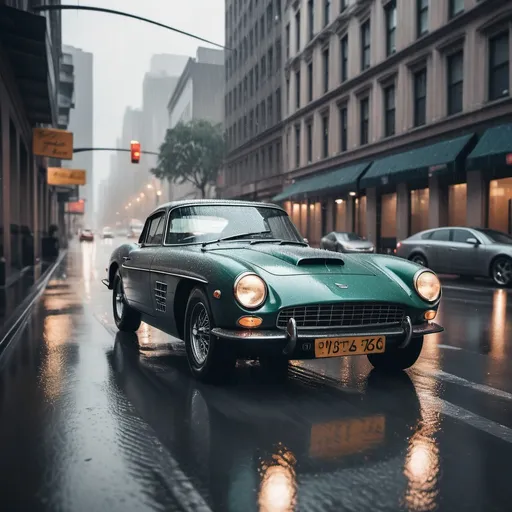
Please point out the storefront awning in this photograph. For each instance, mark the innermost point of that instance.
(494, 149)
(337, 181)
(418, 163)
(23, 38)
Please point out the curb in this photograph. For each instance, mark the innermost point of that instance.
(22, 311)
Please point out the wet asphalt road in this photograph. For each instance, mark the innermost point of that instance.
(89, 423)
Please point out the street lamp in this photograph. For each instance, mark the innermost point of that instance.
(157, 197)
(149, 186)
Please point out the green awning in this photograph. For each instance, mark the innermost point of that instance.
(492, 149)
(444, 156)
(339, 180)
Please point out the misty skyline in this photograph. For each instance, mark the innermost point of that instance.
(122, 50)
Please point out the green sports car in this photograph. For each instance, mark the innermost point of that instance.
(235, 280)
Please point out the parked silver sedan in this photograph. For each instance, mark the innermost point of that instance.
(462, 251)
(346, 242)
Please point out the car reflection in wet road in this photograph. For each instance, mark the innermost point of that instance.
(92, 422)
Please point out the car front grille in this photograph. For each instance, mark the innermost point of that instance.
(342, 314)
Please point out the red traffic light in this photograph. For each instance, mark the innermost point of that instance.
(135, 151)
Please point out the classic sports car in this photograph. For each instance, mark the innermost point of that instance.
(235, 279)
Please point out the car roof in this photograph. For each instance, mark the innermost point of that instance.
(215, 202)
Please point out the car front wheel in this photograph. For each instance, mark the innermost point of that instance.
(126, 318)
(397, 359)
(501, 271)
(209, 360)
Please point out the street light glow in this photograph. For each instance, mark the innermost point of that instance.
(142, 194)
(158, 192)
(138, 199)
(149, 185)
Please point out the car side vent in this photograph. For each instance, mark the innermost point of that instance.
(160, 296)
(320, 261)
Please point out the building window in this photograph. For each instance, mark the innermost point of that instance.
(263, 68)
(297, 89)
(499, 56)
(389, 111)
(327, 12)
(278, 54)
(455, 72)
(311, 19)
(422, 17)
(365, 45)
(343, 5)
(271, 159)
(287, 41)
(391, 28)
(456, 7)
(344, 58)
(343, 129)
(325, 56)
(270, 109)
(278, 104)
(297, 146)
(310, 81)
(365, 121)
(297, 31)
(325, 136)
(270, 62)
(309, 134)
(420, 97)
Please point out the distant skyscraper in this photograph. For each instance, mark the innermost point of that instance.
(81, 124)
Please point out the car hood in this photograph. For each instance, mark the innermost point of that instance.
(286, 260)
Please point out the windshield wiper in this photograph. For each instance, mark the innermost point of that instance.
(277, 240)
(234, 237)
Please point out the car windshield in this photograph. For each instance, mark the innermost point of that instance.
(497, 237)
(206, 223)
(349, 237)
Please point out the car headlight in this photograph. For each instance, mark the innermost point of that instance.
(250, 291)
(427, 285)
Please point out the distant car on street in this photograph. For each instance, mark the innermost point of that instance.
(107, 233)
(235, 279)
(346, 242)
(86, 235)
(474, 252)
(135, 229)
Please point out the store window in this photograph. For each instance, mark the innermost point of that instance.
(500, 205)
(360, 224)
(457, 205)
(388, 216)
(419, 210)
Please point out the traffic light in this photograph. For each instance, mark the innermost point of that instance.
(135, 151)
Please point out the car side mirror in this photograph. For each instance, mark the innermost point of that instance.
(306, 240)
(472, 241)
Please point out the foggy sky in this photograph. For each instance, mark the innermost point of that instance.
(122, 50)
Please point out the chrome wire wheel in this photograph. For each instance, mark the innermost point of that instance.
(200, 333)
(502, 271)
(119, 298)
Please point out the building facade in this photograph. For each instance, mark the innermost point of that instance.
(398, 116)
(199, 94)
(81, 124)
(253, 99)
(30, 60)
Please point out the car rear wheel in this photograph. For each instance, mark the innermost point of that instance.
(208, 358)
(399, 358)
(501, 271)
(419, 259)
(126, 318)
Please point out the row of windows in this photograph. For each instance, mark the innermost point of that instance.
(263, 116)
(498, 88)
(262, 163)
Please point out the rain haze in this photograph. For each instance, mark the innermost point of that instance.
(122, 50)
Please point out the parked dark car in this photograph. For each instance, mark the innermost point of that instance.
(346, 242)
(235, 279)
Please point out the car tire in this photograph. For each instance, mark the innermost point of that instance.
(126, 318)
(501, 271)
(397, 359)
(208, 358)
(419, 259)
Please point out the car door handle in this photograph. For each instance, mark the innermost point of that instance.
(126, 258)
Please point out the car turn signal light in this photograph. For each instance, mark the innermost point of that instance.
(430, 314)
(250, 322)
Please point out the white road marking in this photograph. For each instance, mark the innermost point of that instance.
(453, 379)
(448, 347)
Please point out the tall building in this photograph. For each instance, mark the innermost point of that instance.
(253, 99)
(81, 124)
(397, 116)
(198, 94)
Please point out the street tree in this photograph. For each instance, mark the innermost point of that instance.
(192, 152)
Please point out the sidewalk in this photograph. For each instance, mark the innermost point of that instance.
(17, 298)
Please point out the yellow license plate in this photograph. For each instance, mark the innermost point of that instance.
(346, 437)
(349, 346)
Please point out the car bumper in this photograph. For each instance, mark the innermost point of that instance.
(300, 343)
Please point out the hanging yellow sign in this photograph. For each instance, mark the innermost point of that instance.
(52, 143)
(61, 176)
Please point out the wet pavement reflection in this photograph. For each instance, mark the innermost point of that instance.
(94, 419)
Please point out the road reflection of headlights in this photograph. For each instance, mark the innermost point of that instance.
(277, 492)
(427, 285)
